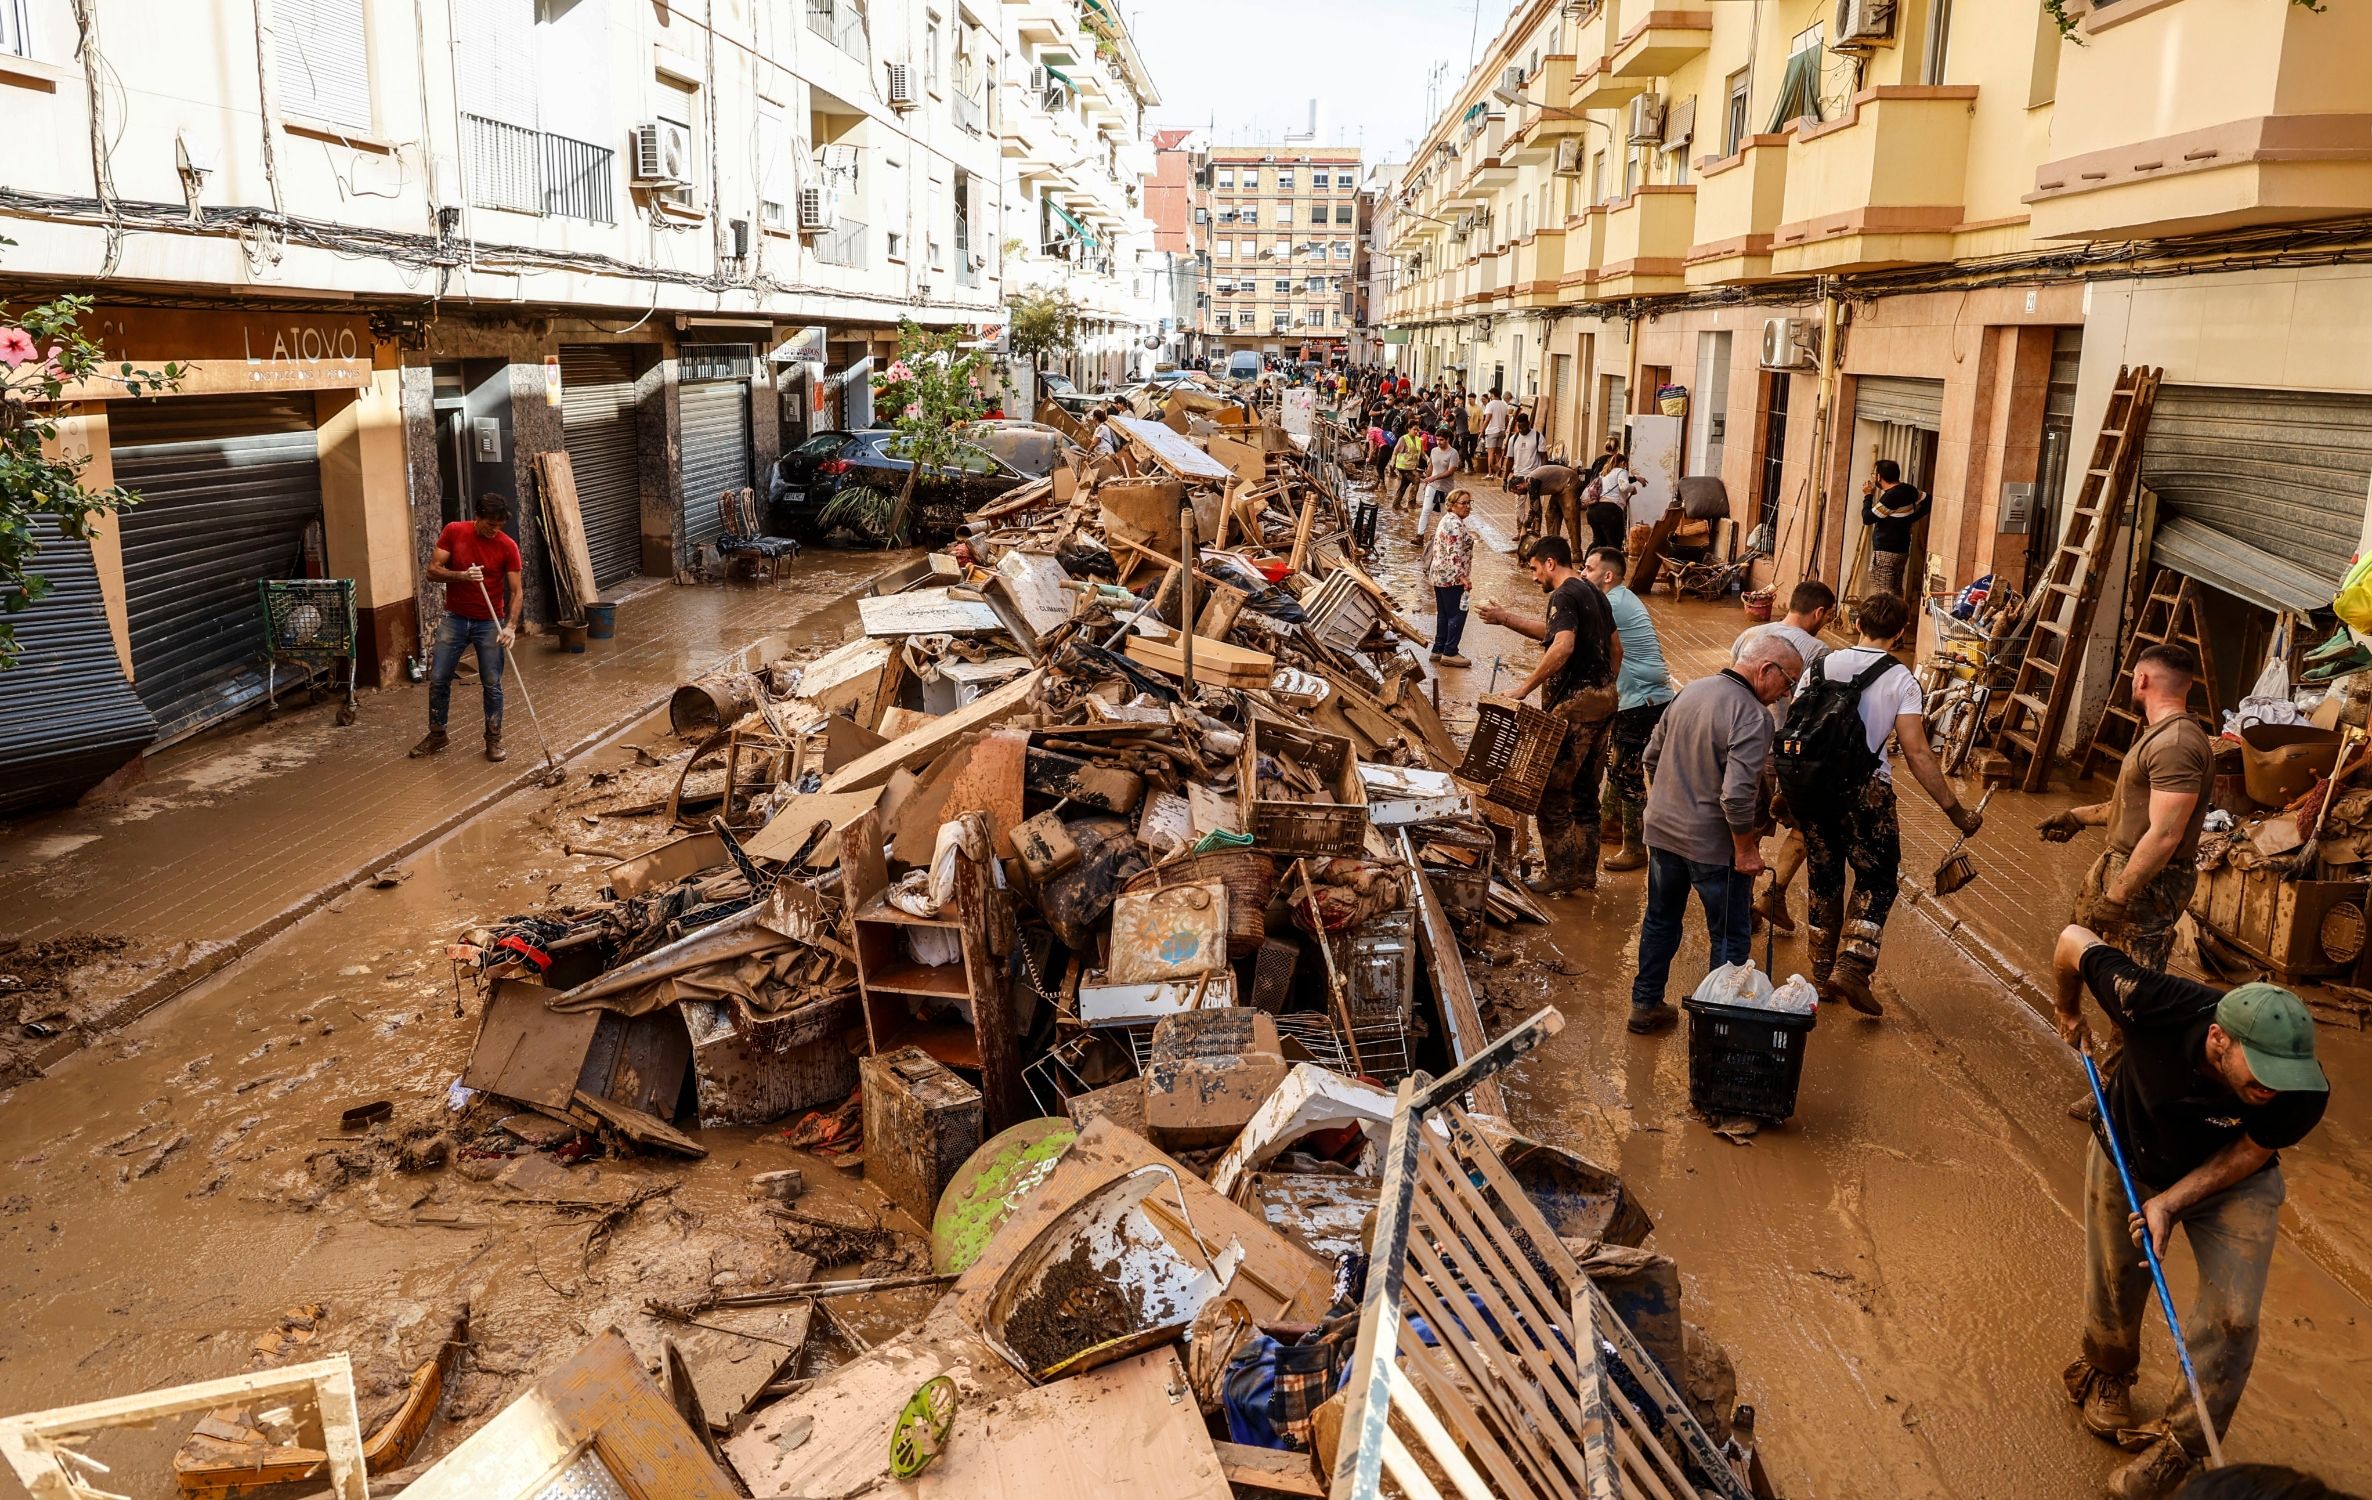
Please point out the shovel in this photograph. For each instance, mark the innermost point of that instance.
(1958, 869)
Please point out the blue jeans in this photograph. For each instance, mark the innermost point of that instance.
(454, 634)
(1449, 620)
(1725, 895)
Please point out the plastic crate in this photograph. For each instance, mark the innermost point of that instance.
(1282, 825)
(1513, 749)
(1743, 1061)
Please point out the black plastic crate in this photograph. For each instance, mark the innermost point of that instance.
(1743, 1061)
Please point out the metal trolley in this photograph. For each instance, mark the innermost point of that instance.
(308, 623)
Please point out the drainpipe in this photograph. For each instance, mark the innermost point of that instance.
(1823, 412)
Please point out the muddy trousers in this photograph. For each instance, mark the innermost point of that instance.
(1568, 814)
(457, 634)
(1720, 889)
(2231, 1237)
(1858, 834)
(2145, 934)
(1626, 763)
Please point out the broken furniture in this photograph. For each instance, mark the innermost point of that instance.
(922, 1123)
(743, 542)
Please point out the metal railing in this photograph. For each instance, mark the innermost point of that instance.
(840, 22)
(971, 110)
(536, 172)
(845, 244)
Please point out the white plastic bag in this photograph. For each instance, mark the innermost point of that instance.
(1735, 984)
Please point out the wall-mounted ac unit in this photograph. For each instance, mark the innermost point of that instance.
(662, 154)
(1790, 344)
(1512, 80)
(1569, 156)
(1038, 80)
(1862, 24)
(819, 210)
(1645, 119)
(901, 86)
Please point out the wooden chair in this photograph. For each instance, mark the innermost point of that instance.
(744, 539)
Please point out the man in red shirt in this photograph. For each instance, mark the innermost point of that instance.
(477, 564)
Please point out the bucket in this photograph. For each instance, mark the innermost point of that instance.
(601, 621)
(1757, 603)
(572, 636)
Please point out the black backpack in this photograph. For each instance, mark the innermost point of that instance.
(1823, 747)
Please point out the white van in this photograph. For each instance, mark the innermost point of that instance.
(1244, 364)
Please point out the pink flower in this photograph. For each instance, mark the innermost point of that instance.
(16, 346)
(898, 371)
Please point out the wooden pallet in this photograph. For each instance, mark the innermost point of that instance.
(2064, 601)
(2171, 613)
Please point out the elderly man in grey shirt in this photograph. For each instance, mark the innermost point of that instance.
(1705, 771)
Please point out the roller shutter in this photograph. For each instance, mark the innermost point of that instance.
(2270, 487)
(716, 452)
(68, 718)
(597, 424)
(227, 486)
(1903, 402)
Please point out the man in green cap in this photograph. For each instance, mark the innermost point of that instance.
(2211, 1086)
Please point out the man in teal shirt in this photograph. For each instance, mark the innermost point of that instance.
(1646, 687)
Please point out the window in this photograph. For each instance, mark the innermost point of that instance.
(777, 183)
(930, 56)
(1317, 213)
(933, 201)
(675, 115)
(1939, 40)
(1248, 249)
(1251, 180)
(1284, 179)
(2042, 81)
(1251, 214)
(1282, 321)
(1227, 177)
(16, 32)
(1733, 120)
(1343, 213)
(1226, 248)
(324, 65)
(1284, 249)
(1318, 181)
(1342, 249)
(896, 243)
(1634, 169)
(1598, 177)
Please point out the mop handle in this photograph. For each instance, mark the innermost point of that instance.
(2215, 1449)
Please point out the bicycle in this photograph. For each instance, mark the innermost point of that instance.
(1962, 675)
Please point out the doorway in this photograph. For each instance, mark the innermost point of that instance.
(1777, 386)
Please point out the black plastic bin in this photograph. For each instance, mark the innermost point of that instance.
(1743, 1061)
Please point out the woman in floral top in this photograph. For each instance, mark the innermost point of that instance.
(1449, 567)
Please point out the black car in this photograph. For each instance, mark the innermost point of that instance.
(849, 481)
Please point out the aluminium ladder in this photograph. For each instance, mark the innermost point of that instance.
(2064, 602)
(2171, 613)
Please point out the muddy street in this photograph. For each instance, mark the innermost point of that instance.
(1895, 1271)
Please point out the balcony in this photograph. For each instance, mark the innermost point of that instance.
(1537, 263)
(1659, 42)
(1646, 244)
(1536, 125)
(1046, 22)
(2183, 119)
(840, 22)
(970, 108)
(1739, 203)
(534, 172)
(1585, 251)
(1881, 186)
(1596, 37)
(846, 243)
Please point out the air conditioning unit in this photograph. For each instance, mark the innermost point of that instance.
(979, 259)
(1862, 24)
(1790, 344)
(1038, 80)
(662, 154)
(1645, 119)
(901, 86)
(1569, 156)
(1512, 80)
(819, 210)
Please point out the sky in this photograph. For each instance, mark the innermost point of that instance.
(1254, 65)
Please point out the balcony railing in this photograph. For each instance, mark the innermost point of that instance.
(536, 172)
(847, 243)
(971, 110)
(840, 22)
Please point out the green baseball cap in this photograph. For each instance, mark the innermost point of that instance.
(2277, 1034)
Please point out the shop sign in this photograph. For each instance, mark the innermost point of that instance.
(551, 380)
(226, 353)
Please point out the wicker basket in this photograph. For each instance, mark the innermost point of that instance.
(1251, 880)
(1513, 749)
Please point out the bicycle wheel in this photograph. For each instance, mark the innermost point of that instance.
(1952, 727)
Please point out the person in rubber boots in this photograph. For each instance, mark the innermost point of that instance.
(1576, 678)
(478, 565)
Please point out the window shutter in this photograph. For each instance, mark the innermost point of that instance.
(323, 61)
(1680, 123)
(498, 60)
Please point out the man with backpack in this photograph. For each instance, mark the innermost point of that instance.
(1833, 770)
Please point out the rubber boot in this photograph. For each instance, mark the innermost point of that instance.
(435, 742)
(1855, 967)
(1771, 906)
(1631, 856)
(1585, 865)
(1563, 864)
(494, 750)
(1822, 945)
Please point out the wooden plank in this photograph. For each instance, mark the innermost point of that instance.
(934, 611)
(36, 1445)
(924, 743)
(1216, 663)
(526, 1051)
(1453, 989)
(1277, 1469)
(791, 828)
(565, 521)
(1171, 451)
(640, 1128)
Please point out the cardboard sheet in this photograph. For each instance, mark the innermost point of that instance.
(928, 611)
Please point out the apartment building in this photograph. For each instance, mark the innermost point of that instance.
(1371, 264)
(1076, 157)
(1818, 234)
(1280, 230)
(1170, 194)
(404, 250)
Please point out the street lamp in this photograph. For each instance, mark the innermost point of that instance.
(1511, 98)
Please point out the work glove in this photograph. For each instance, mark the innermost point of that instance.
(1967, 819)
(2059, 827)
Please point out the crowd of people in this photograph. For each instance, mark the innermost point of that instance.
(1794, 742)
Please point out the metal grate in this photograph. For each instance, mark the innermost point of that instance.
(535, 172)
(840, 22)
(845, 245)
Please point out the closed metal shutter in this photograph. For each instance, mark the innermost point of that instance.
(597, 424)
(1904, 402)
(68, 717)
(716, 453)
(227, 485)
(2282, 473)
(323, 62)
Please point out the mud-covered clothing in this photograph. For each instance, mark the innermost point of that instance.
(2232, 1236)
(1568, 812)
(1887, 571)
(1859, 834)
(2172, 1114)
(2172, 755)
(2146, 931)
(1576, 605)
(1627, 734)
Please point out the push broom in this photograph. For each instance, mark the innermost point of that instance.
(553, 773)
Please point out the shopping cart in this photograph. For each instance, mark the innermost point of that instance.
(1970, 666)
(308, 623)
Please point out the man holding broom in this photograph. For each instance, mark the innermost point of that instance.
(478, 564)
(2211, 1086)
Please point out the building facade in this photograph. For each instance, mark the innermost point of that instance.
(1781, 239)
(1279, 227)
(407, 251)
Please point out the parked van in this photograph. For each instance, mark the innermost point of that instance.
(1244, 364)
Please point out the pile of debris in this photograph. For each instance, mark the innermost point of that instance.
(1107, 902)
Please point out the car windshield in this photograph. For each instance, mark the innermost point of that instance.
(822, 445)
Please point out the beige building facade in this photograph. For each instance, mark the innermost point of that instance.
(1278, 230)
(1929, 231)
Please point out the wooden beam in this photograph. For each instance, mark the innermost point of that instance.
(35, 1443)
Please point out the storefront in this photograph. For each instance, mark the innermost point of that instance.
(597, 419)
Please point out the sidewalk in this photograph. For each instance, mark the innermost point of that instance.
(229, 839)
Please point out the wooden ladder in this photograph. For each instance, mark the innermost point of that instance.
(2064, 601)
(2171, 613)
